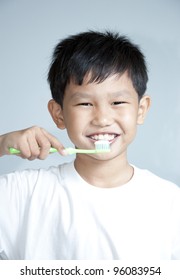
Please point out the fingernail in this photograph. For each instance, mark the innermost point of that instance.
(64, 152)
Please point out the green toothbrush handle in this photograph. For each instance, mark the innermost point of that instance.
(70, 151)
(14, 151)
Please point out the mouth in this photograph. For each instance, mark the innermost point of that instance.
(103, 136)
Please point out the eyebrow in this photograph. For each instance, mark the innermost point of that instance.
(80, 95)
(123, 93)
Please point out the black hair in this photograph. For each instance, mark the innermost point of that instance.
(99, 54)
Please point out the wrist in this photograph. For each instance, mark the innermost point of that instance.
(1, 146)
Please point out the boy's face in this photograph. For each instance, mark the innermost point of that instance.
(109, 110)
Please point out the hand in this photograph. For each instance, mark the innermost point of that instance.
(33, 142)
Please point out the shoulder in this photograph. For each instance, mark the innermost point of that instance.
(30, 178)
(40, 188)
(158, 195)
(154, 183)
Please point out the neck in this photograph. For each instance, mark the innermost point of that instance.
(104, 173)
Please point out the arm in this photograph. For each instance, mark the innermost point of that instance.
(33, 142)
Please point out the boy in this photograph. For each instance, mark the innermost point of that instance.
(98, 206)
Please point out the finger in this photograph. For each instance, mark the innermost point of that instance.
(44, 147)
(54, 142)
(26, 143)
(34, 148)
(38, 143)
(24, 149)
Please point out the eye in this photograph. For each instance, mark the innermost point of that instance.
(84, 104)
(118, 102)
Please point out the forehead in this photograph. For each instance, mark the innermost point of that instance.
(114, 85)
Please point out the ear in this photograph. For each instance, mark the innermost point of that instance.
(144, 105)
(56, 113)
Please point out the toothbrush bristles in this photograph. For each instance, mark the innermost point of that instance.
(102, 146)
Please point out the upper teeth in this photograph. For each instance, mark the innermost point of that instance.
(107, 137)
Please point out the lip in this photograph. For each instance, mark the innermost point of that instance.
(90, 136)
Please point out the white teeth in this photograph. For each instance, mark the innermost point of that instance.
(107, 137)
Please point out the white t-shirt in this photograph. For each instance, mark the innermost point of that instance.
(55, 214)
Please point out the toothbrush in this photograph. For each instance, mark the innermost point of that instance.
(101, 146)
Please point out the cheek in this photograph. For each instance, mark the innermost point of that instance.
(129, 124)
(72, 120)
(76, 117)
(129, 118)
(73, 124)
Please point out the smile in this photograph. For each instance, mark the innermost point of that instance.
(103, 136)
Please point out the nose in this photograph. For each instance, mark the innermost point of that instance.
(102, 116)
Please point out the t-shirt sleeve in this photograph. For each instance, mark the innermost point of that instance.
(176, 227)
(15, 190)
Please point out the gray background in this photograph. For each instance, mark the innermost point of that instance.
(29, 30)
